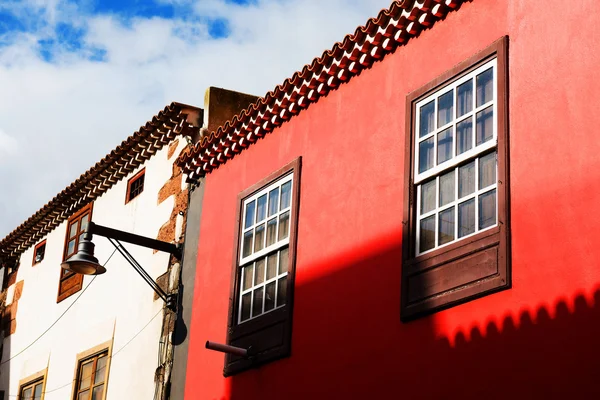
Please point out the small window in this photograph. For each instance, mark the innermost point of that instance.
(71, 282)
(39, 252)
(456, 239)
(135, 186)
(33, 390)
(92, 373)
(263, 274)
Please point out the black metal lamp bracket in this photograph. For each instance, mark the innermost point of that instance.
(116, 237)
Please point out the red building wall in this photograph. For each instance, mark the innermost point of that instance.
(539, 339)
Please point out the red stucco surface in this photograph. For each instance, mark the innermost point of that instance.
(537, 340)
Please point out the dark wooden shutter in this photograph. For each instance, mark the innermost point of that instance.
(469, 268)
(269, 335)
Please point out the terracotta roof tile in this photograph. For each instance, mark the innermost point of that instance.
(392, 27)
(133, 151)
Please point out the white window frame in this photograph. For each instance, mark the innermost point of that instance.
(456, 161)
(266, 250)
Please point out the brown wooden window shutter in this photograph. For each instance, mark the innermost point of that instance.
(70, 282)
(261, 301)
(453, 251)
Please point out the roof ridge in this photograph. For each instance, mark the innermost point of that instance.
(380, 36)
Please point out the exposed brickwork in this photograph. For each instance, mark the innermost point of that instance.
(11, 328)
(167, 233)
(163, 283)
(172, 148)
(12, 278)
(173, 188)
(168, 326)
(8, 322)
(18, 291)
(10, 311)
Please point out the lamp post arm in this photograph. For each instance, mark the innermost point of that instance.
(138, 268)
(95, 229)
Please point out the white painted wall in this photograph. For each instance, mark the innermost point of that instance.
(118, 301)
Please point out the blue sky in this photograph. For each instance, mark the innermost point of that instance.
(78, 77)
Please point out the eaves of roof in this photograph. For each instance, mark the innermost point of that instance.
(175, 119)
(380, 36)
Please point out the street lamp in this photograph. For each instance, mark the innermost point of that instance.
(84, 262)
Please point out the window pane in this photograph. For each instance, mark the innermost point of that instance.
(427, 196)
(286, 195)
(246, 302)
(259, 273)
(464, 98)
(259, 237)
(100, 369)
(445, 108)
(84, 222)
(247, 244)
(271, 231)
(284, 225)
(426, 122)
(487, 170)
(27, 394)
(464, 135)
(73, 230)
(84, 395)
(71, 248)
(250, 208)
(466, 218)
(466, 179)
(273, 201)
(426, 154)
(85, 375)
(284, 259)
(485, 87)
(270, 299)
(281, 291)
(445, 145)
(427, 239)
(485, 125)
(98, 392)
(37, 391)
(247, 281)
(447, 188)
(261, 210)
(487, 209)
(446, 226)
(271, 266)
(257, 305)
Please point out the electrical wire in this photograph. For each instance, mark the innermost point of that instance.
(110, 357)
(58, 319)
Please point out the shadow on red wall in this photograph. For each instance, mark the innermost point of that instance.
(348, 343)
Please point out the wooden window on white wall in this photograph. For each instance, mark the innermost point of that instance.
(92, 375)
(71, 282)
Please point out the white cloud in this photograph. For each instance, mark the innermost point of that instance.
(71, 111)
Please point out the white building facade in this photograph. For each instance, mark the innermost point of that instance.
(106, 336)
